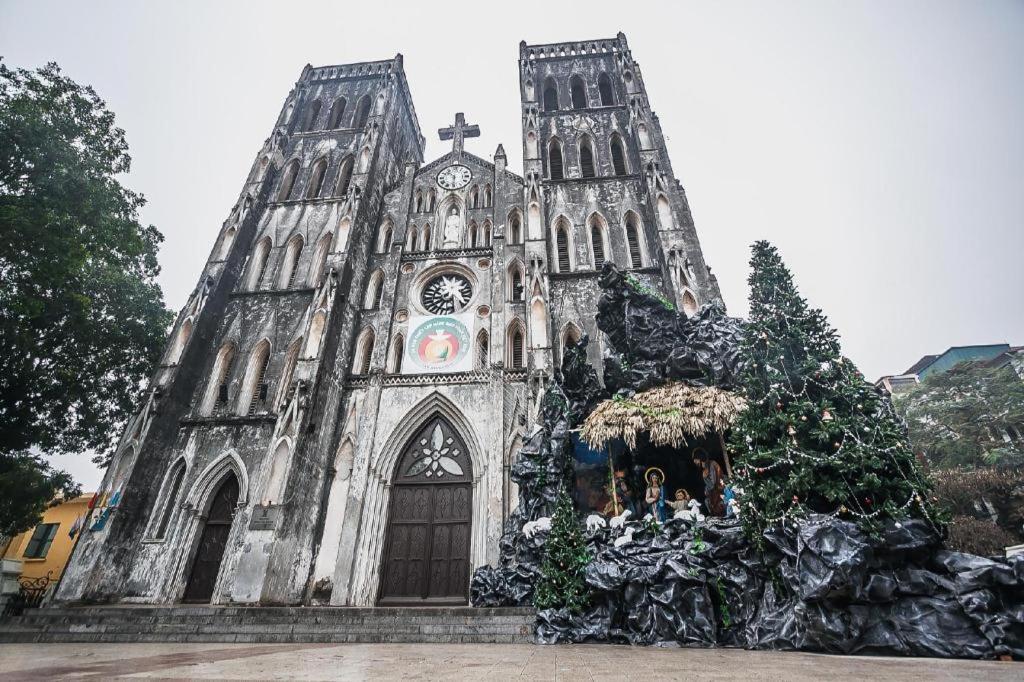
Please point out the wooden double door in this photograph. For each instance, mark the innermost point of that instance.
(426, 553)
(212, 542)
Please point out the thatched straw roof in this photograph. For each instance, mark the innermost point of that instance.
(667, 413)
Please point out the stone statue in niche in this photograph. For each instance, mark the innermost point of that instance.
(452, 230)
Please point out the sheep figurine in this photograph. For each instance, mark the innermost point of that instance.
(620, 520)
(530, 528)
(691, 514)
(595, 522)
(625, 538)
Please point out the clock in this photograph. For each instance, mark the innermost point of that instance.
(446, 294)
(454, 177)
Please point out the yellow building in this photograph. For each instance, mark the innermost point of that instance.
(48, 546)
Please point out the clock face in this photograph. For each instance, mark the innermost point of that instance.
(446, 294)
(454, 177)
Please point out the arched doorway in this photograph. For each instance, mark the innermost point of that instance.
(212, 542)
(426, 553)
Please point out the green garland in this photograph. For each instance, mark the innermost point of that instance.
(639, 287)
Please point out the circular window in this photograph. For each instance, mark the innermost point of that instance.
(446, 294)
(408, 267)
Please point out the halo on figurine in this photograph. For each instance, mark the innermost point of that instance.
(654, 470)
(683, 491)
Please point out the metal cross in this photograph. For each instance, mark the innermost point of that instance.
(458, 132)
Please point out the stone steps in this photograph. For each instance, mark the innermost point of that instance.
(269, 624)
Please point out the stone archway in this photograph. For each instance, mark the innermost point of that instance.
(427, 547)
(212, 542)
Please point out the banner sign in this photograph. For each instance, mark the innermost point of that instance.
(439, 343)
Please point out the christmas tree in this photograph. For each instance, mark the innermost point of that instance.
(816, 437)
(565, 560)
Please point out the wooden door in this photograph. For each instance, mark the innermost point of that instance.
(426, 555)
(212, 542)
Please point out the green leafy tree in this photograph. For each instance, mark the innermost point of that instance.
(816, 437)
(562, 584)
(27, 486)
(971, 415)
(82, 319)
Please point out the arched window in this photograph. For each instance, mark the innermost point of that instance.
(633, 241)
(618, 155)
(362, 112)
(482, 350)
(533, 220)
(316, 179)
(413, 238)
(319, 262)
(531, 145)
(316, 332)
(260, 258)
(179, 342)
(337, 111)
(688, 304)
(425, 238)
(379, 107)
(550, 95)
(431, 198)
(217, 387)
(474, 237)
(384, 237)
(254, 388)
(586, 157)
(516, 346)
(562, 246)
(538, 324)
(290, 263)
(578, 92)
(288, 180)
(570, 337)
(312, 114)
(516, 289)
(291, 359)
(279, 466)
(344, 177)
(419, 202)
(172, 488)
(474, 197)
(226, 242)
(515, 228)
(364, 352)
(604, 86)
(397, 351)
(488, 196)
(645, 137)
(374, 290)
(364, 160)
(344, 227)
(556, 170)
(665, 213)
(597, 241)
(485, 233)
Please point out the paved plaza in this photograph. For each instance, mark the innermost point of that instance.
(486, 662)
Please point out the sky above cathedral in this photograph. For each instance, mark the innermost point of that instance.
(879, 145)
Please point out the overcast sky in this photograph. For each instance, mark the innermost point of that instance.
(879, 145)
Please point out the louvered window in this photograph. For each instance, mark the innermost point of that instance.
(633, 241)
(618, 157)
(562, 246)
(259, 394)
(586, 160)
(598, 242)
(517, 349)
(555, 167)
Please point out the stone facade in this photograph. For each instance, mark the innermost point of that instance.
(288, 369)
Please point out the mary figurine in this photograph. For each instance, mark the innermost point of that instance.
(655, 497)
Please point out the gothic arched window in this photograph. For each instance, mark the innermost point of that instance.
(291, 359)
(597, 241)
(550, 94)
(254, 388)
(488, 196)
(604, 86)
(413, 238)
(515, 228)
(485, 233)
(515, 282)
(374, 291)
(397, 351)
(425, 238)
(364, 352)
(226, 242)
(344, 177)
(586, 157)
(312, 114)
(665, 213)
(418, 206)
(618, 155)
(516, 346)
(288, 180)
(384, 240)
(260, 258)
(217, 387)
(556, 170)
(578, 92)
(172, 487)
(474, 237)
(431, 198)
(482, 349)
(474, 197)
(362, 112)
(316, 179)
(319, 262)
(562, 246)
(633, 241)
(337, 111)
(290, 264)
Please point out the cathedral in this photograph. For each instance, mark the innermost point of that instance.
(342, 397)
